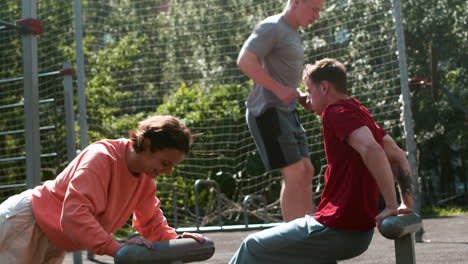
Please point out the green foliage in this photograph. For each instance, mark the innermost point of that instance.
(52, 51)
(196, 103)
(209, 112)
(104, 92)
(439, 125)
(142, 61)
(443, 211)
(206, 110)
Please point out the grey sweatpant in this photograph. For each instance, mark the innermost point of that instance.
(303, 240)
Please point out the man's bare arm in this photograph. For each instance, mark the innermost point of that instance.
(376, 162)
(249, 63)
(401, 172)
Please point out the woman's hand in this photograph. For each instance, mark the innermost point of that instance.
(138, 240)
(198, 237)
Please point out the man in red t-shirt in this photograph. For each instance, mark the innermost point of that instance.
(362, 161)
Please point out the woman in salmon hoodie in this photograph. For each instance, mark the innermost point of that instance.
(95, 195)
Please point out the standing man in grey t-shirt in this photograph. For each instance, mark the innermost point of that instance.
(273, 58)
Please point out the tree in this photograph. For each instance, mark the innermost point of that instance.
(439, 125)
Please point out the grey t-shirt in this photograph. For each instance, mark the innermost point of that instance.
(279, 48)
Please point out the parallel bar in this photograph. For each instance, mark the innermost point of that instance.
(402, 228)
(173, 251)
(394, 227)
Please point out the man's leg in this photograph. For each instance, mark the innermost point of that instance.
(303, 240)
(282, 144)
(296, 196)
(276, 245)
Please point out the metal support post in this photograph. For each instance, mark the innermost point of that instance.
(81, 93)
(31, 99)
(401, 229)
(407, 114)
(67, 73)
(404, 250)
(80, 75)
(248, 199)
(218, 200)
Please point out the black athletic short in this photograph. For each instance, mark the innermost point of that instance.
(279, 136)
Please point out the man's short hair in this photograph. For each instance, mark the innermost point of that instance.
(289, 3)
(329, 70)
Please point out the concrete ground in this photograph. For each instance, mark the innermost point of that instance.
(447, 243)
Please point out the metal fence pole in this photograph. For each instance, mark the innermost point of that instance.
(407, 114)
(80, 74)
(31, 99)
(69, 112)
(81, 93)
(70, 127)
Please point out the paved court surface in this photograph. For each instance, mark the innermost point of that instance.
(448, 243)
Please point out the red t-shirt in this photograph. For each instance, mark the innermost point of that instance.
(350, 199)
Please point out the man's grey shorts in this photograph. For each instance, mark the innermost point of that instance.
(280, 138)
